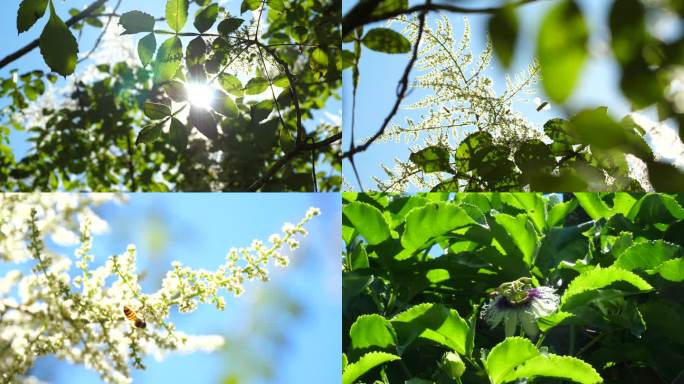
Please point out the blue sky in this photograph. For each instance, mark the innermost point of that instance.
(380, 73)
(198, 230)
(34, 60)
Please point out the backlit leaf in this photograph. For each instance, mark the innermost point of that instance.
(176, 14)
(29, 12)
(58, 46)
(386, 40)
(562, 49)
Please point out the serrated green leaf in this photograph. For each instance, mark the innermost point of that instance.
(206, 17)
(372, 331)
(564, 367)
(146, 48)
(386, 40)
(156, 111)
(600, 278)
(430, 222)
(136, 21)
(168, 59)
(507, 355)
(367, 362)
(176, 14)
(368, 221)
(672, 270)
(647, 255)
(58, 46)
(29, 12)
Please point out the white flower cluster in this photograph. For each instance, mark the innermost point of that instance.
(462, 99)
(78, 317)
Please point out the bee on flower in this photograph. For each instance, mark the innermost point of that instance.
(520, 303)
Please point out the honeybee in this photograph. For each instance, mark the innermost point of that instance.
(132, 316)
(541, 105)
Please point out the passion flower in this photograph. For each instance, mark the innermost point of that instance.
(519, 302)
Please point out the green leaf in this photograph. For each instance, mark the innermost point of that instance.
(372, 331)
(229, 25)
(319, 59)
(179, 134)
(176, 91)
(432, 159)
(249, 5)
(386, 40)
(427, 223)
(672, 270)
(507, 355)
(628, 29)
(204, 121)
(503, 30)
(136, 21)
(387, 6)
(598, 278)
(149, 133)
(225, 105)
(146, 47)
(231, 84)
(58, 46)
(520, 232)
(532, 203)
(29, 12)
(564, 367)
(593, 205)
(156, 111)
(176, 14)
(368, 221)
(367, 362)
(434, 322)
(206, 17)
(256, 85)
(168, 58)
(562, 49)
(647, 255)
(261, 110)
(534, 157)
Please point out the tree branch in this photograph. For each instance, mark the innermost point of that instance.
(302, 147)
(361, 14)
(34, 44)
(402, 87)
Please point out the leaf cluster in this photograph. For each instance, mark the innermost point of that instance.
(417, 269)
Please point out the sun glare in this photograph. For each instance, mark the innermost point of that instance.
(200, 95)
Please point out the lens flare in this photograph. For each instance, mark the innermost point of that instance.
(200, 95)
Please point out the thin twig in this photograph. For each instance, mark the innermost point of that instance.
(303, 147)
(402, 87)
(359, 15)
(104, 30)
